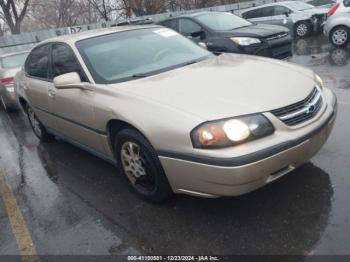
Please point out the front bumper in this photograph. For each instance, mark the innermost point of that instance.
(216, 177)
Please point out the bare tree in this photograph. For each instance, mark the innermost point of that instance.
(13, 13)
(108, 9)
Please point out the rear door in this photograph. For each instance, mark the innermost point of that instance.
(37, 83)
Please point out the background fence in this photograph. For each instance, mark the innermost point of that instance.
(25, 41)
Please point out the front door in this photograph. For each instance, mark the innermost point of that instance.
(73, 108)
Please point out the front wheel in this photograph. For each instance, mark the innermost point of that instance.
(340, 36)
(140, 164)
(302, 29)
(38, 129)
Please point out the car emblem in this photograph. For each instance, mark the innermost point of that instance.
(311, 109)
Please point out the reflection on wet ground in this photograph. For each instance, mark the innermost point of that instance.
(318, 54)
(75, 203)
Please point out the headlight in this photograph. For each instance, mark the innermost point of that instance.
(230, 132)
(319, 81)
(245, 41)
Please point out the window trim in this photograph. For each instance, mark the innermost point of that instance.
(49, 63)
(75, 56)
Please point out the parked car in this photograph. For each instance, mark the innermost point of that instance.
(342, 6)
(322, 3)
(176, 118)
(302, 18)
(337, 29)
(227, 33)
(10, 64)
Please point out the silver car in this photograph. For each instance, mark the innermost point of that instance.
(300, 17)
(337, 29)
(10, 64)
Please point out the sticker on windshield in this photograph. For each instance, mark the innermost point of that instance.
(165, 32)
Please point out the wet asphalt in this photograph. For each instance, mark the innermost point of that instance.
(74, 203)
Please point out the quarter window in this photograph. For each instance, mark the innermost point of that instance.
(64, 61)
(37, 64)
(188, 27)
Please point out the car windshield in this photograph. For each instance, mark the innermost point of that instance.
(223, 21)
(299, 6)
(14, 60)
(124, 56)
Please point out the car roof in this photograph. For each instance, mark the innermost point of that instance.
(14, 53)
(271, 4)
(192, 15)
(72, 38)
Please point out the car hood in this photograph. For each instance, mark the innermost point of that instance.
(256, 30)
(226, 86)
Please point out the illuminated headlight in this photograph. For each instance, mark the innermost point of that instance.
(319, 81)
(245, 41)
(231, 132)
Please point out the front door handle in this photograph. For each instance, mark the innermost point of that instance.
(52, 93)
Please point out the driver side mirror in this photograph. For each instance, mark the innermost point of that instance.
(200, 34)
(70, 81)
(286, 14)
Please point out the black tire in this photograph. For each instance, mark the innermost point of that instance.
(153, 186)
(302, 29)
(38, 128)
(339, 41)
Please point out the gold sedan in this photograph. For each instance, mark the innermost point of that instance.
(176, 118)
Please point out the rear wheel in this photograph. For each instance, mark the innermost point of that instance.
(340, 36)
(38, 129)
(302, 29)
(141, 166)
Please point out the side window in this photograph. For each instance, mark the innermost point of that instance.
(188, 27)
(347, 3)
(64, 61)
(281, 10)
(37, 64)
(170, 24)
(267, 11)
(252, 14)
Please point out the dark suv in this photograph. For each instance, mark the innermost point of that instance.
(227, 33)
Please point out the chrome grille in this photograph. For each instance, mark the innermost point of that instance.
(302, 111)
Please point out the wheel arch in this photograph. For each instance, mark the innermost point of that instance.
(23, 102)
(114, 126)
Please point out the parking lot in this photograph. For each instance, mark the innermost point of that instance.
(75, 203)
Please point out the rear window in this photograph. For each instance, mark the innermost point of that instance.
(14, 61)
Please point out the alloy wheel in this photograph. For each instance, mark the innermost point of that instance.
(339, 37)
(302, 29)
(135, 166)
(34, 122)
